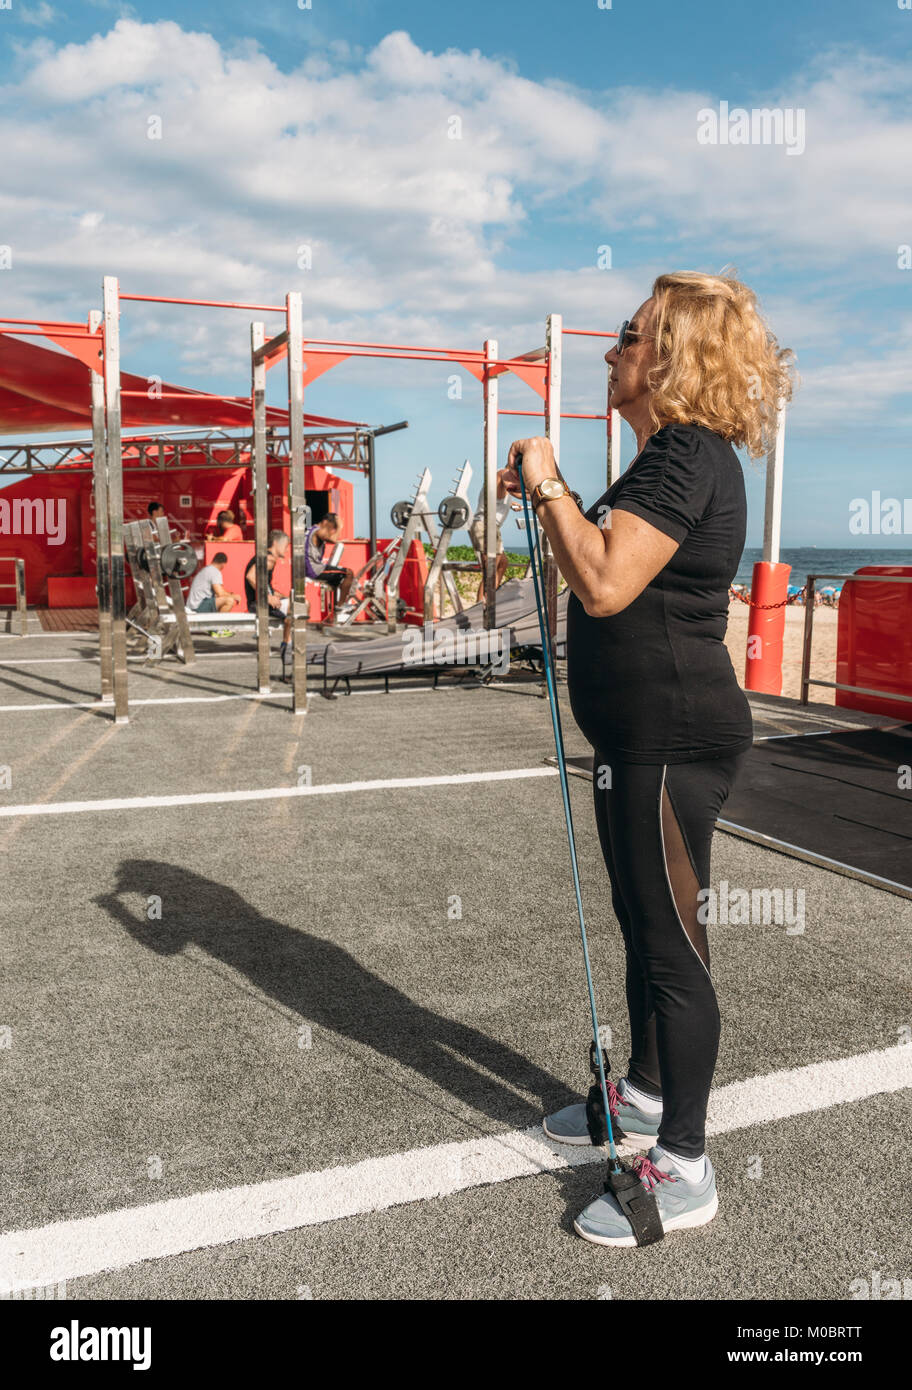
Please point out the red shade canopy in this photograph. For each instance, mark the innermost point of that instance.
(45, 391)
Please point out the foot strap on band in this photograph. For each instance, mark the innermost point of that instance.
(596, 1120)
(638, 1205)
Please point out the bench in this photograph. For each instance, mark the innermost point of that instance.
(165, 637)
(241, 619)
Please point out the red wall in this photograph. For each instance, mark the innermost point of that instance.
(192, 499)
(41, 557)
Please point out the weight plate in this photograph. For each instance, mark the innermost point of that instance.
(179, 560)
(453, 512)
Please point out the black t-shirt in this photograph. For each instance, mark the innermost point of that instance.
(654, 683)
(249, 590)
(250, 585)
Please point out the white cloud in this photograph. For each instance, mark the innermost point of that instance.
(416, 236)
(131, 54)
(38, 15)
(863, 389)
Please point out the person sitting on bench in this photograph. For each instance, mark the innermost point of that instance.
(226, 528)
(277, 603)
(155, 510)
(207, 592)
(317, 566)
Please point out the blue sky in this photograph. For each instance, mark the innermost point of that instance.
(328, 127)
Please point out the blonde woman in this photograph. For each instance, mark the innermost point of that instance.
(694, 372)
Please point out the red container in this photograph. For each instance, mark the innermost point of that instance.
(874, 642)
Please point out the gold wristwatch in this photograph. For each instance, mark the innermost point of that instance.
(549, 489)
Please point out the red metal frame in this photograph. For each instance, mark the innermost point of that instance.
(565, 415)
(47, 333)
(409, 352)
(203, 303)
(589, 333)
(398, 347)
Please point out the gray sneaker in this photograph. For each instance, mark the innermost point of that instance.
(568, 1126)
(682, 1204)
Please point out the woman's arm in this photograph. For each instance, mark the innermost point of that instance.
(606, 566)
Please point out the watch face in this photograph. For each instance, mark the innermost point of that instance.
(552, 487)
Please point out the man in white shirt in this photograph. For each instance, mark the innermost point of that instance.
(477, 532)
(207, 592)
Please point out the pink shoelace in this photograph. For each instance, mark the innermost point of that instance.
(615, 1100)
(649, 1174)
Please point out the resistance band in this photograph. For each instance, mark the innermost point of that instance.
(638, 1205)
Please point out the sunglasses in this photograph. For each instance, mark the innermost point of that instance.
(627, 335)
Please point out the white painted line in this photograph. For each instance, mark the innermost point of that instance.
(93, 660)
(143, 803)
(39, 633)
(802, 1090)
(50, 661)
(162, 700)
(114, 1240)
(216, 699)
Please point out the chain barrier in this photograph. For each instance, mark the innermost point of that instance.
(746, 598)
(792, 598)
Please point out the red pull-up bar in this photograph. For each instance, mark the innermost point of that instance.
(539, 414)
(365, 349)
(395, 347)
(204, 303)
(48, 332)
(589, 333)
(47, 323)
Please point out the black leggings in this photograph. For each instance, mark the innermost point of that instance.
(655, 823)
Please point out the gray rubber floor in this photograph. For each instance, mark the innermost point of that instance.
(157, 1058)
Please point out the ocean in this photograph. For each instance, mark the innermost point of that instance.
(806, 559)
(814, 559)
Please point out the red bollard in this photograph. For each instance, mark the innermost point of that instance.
(766, 628)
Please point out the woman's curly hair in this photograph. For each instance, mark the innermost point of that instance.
(719, 364)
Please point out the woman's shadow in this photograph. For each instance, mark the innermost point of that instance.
(328, 988)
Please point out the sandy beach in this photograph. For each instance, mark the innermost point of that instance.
(823, 651)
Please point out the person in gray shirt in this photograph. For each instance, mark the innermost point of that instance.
(207, 592)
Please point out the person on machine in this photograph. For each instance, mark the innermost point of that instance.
(328, 532)
(505, 504)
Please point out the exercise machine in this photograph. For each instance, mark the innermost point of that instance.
(454, 513)
(412, 519)
(158, 622)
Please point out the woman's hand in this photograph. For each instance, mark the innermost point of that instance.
(538, 463)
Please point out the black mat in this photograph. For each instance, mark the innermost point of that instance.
(837, 796)
(827, 797)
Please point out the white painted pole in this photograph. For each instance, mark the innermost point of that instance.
(554, 342)
(772, 520)
(489, 560)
